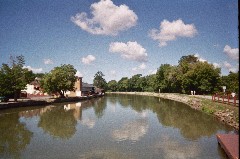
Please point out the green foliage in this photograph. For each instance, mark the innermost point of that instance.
(207, 110)
(112, 85)
(189, 74)
(123, 84)
(203, 78)
(151, 84)
(99, 81)
(14, 77)
(59, 80)
(231, 82)
(135, 83)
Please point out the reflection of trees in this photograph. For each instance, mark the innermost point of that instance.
(124, 100)
(137, 103)
(192, 123)
(58, 123)
(99, 106)
(14, 136)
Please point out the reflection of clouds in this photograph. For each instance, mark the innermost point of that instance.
(131, 131)
(88, 122)
(107, 154)
(171, 148)
(143, 114)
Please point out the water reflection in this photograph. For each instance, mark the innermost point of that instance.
(170, 148)
(106, 154)
(133, 130)
(14, 136)
(58, 122)
(146, 127)
(99, 106)
(191, 123)
(61, 120)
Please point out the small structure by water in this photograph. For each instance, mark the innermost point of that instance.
(230, 144)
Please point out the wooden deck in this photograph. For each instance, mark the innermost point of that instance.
(230, 144)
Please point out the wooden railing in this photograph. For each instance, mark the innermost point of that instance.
(226, 98)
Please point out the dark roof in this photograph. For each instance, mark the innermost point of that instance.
(87, 85)
(36, 83)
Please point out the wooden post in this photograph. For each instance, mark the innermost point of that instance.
(223, 99)
(228, 98)
(234, 99)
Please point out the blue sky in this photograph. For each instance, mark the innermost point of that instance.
(121, 38)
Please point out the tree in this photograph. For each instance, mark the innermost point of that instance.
(161, 77)
(123, 84)
(59, 80)
(231, 81)
(186, 62)
(99, 81)
(112, 85)
(13, 77)
(203, 78)
(133, 85)
(151, 84)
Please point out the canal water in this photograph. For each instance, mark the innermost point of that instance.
(113, 126)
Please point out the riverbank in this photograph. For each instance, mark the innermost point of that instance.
(43, 101)
(228, 114)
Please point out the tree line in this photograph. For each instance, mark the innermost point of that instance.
(190, 74)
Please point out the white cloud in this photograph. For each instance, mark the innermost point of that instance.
(169, 31)
(201, 59)
(90, 123)
(79, 74)
(107, 19)
(232, 53)
(216, 65)
(48, 61)
(230, 67)
(151, 72)
(129, 50)
(140, 67)
(88, 59)
(35, 70)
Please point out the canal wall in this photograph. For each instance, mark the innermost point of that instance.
(226, 114)
(43, 102)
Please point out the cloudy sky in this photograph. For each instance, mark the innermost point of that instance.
(121, 38)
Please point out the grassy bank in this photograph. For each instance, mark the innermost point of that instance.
(227, 114)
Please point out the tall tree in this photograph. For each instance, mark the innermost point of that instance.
(133, 85)
(203, 78)
(231, 81)
(151, 84)
(99, 81)
(123, 84)
(162, 77)
(112, 85)
(59, 80)
(13, 77)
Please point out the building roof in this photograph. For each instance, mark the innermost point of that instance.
(87, 85)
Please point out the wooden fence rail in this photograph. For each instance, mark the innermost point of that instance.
(227, 99)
